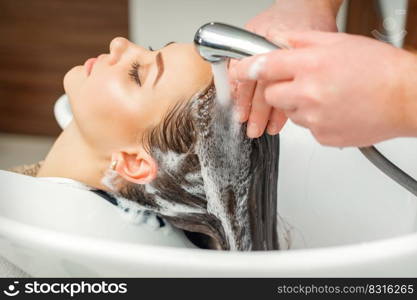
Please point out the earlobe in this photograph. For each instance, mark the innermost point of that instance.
(136, 167)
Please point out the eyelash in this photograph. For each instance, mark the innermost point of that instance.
(133, 73)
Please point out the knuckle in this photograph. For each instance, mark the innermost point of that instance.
(270, 94)
(325, 138)
(311, 120)
(297, 118)
(311, 94)
(322, 139)
(320, 134)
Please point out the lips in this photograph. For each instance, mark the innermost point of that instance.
(89, 63)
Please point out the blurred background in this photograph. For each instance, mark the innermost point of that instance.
(40, 40)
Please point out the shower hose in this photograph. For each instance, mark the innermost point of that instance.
(371, 153)
(390, 169)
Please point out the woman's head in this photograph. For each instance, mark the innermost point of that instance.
(156, 128)
(118, 98)
(140, 107)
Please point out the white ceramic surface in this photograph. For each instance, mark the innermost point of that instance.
(345, 218)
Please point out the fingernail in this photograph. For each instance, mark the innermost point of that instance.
(252, 130)
(256, 67)
(273, 128)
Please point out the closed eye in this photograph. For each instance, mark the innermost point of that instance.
(134, 73)
(134, 69)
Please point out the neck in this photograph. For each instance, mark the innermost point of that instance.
(71, 157)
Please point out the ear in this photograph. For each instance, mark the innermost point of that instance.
(136, 166)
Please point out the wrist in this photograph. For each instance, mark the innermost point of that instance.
(331, 6)
(334, 6)
(317, 14)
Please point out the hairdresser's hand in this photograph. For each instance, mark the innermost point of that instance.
(282, 16)
(348, 90)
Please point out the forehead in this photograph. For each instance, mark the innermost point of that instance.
(185, 70)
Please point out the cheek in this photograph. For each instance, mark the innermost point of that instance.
(106, 114)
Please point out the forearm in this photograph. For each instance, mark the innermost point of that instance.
(335, 5)
(409, 94)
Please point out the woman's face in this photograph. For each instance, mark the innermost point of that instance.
(117, 96)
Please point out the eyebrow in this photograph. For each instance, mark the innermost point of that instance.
(160, 65)
(169, 43)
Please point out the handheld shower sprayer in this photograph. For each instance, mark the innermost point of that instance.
(217, 41)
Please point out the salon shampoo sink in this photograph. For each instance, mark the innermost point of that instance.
(341, 216)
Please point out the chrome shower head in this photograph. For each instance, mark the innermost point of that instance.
(217, 41)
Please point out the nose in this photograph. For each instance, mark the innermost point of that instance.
(117, 47)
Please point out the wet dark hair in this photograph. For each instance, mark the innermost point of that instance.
(182, 186)
(177, 133)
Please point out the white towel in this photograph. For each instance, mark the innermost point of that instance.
(7, 269)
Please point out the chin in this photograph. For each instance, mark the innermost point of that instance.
(73, 80)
